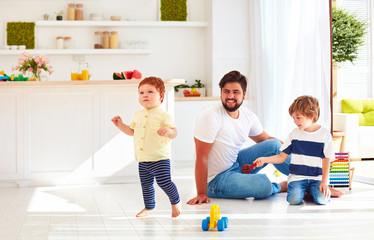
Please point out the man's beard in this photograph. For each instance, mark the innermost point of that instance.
(231, 109)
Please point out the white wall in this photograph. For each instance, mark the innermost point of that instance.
(175, 52)
(188, 53)
(230, 34)
(229, 51)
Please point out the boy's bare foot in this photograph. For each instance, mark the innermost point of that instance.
(144, 212)
(176, 210)
(283, 186)
(336, 193)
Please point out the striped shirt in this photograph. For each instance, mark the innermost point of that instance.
(307, 149)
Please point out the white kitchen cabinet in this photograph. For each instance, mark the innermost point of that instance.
(61, 132)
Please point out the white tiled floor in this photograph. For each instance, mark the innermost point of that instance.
(108, 212)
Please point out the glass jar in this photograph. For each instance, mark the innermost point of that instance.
(114, 40)
(74, 74)
(97, 40)
(68, 43)
(105, 39)
(59, 42)
(71, 11)
(79, 12)
(84, 71)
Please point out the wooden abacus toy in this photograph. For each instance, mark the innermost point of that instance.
(341, 173)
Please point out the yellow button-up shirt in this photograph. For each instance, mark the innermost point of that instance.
(149, 146)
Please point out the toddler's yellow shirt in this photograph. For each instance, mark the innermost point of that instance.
(149, 146)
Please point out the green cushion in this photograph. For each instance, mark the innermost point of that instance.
(368, 105)
(369, 118)
(352, 106)
(363, 108)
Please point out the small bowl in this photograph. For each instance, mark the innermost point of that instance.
(13, 47)
(115, 18)
(22, 47)
(96, 16)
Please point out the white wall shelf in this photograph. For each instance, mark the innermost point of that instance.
(120, 24)
(76, 51)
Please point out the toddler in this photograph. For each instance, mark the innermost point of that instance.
(152, 129)
(311, 148)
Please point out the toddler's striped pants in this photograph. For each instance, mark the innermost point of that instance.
(160, 170)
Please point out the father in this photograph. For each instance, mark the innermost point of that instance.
(219, 135)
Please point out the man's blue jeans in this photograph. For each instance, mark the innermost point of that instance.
(296, 191)
(234, 184)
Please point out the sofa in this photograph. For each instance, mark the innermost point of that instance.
(355, 117)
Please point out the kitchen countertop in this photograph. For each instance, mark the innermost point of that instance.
(197, 98)
(80, 83)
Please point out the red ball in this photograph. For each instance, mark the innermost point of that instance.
(246, 168)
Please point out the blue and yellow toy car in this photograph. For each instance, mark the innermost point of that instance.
(214, 220)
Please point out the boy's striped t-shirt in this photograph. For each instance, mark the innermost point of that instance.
(307, 149)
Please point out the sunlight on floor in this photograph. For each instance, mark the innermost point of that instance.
(43, 201)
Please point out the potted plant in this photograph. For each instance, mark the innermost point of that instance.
(348, 32)
(59, 15)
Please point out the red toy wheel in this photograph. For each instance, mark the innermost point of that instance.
(246, 168)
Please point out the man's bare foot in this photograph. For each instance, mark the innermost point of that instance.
(283, 186)
(336, 193)
(176, 210)
(144, 212)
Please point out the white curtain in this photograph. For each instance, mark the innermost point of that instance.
(290, 57)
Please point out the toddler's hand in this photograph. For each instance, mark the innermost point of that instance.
(324, 188)
(164, 132)
(117, 120)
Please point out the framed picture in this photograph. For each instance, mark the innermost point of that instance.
(172, 10)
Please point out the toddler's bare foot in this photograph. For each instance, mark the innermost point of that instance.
(336, 193)
(283, 186)
(144, 212)
(176, 210)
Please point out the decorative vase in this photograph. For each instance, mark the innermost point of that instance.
(34, 76)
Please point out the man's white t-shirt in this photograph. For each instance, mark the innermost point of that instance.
(227, 135)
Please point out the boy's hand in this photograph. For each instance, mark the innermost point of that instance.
(164, 132)
(117, 120)
(259, 162)
(324, 188)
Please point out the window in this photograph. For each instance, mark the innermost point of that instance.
(355, 80)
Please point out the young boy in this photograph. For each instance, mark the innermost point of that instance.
(152, 129)
(311, 148)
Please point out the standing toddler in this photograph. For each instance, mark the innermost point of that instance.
(152, 129)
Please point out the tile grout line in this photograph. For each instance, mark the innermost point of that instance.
(116, 199)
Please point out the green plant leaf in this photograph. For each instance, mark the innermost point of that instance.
(348, 33)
